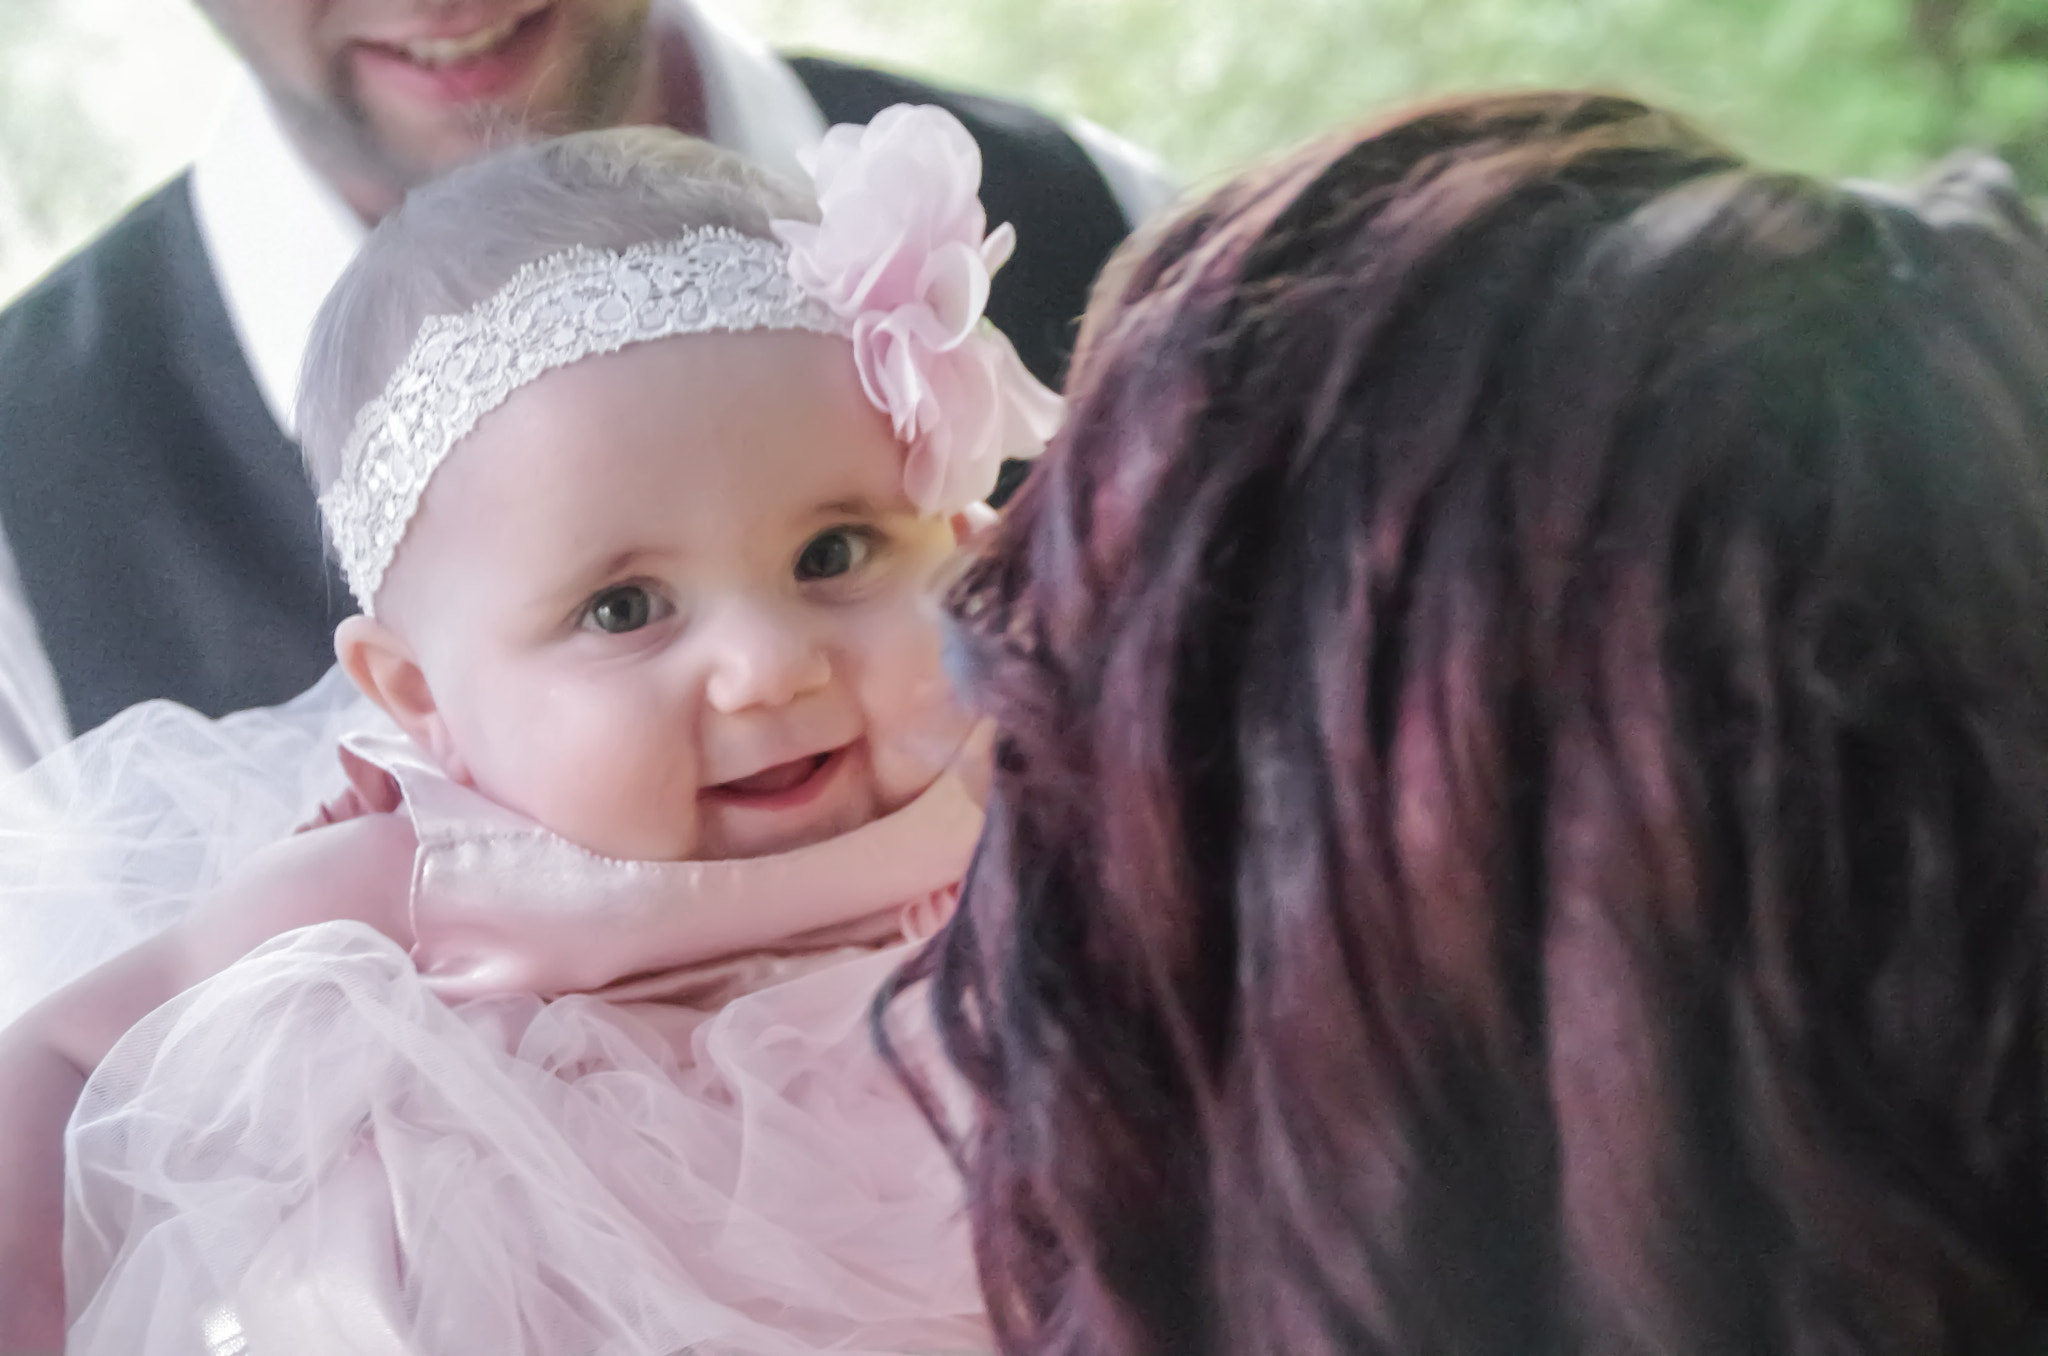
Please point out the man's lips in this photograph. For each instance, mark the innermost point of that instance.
(451, 37)
(459, 64)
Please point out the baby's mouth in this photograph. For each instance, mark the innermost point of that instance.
(784, 784)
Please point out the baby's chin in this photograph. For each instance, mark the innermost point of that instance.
(880, 776)
(876, 777)
(738, 843)
(845, 797)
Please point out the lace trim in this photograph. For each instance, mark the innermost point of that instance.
(553, 312)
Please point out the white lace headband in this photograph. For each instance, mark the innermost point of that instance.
(899, 263)
(555, 311)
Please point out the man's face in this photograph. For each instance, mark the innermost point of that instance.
(382, 94)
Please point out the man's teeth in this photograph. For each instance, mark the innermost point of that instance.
(448, 51)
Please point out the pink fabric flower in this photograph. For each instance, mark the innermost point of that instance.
(902, 252)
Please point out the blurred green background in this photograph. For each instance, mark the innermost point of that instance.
(101, 98)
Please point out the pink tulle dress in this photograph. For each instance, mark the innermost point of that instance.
(570, 1121)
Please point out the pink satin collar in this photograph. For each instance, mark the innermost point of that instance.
(501, 904)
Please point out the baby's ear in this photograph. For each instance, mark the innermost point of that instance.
(971, 523)
(383, 669)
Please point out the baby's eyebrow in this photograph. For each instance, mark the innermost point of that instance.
(608, 566)
(852, 506)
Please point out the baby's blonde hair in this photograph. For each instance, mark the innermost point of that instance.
(459, 239)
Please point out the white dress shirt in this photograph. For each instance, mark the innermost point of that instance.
(278, 237)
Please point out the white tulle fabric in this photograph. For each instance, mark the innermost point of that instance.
(110, 837)
(313, 1154)
(317, 1151)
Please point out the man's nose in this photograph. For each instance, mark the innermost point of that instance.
(760, 657)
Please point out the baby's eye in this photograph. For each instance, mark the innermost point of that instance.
(627, 607)
(832, 553)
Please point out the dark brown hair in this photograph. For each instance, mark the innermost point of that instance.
(1523, 776)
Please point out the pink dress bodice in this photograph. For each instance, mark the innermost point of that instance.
(502, 905)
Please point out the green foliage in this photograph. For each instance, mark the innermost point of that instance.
(1839, 86)
(56, 169)
(1865, 87)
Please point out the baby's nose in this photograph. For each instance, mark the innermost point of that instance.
(761, 659)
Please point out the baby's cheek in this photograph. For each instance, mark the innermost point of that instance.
(915, 721)
(611, 772)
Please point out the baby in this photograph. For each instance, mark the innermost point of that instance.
(551, 1035)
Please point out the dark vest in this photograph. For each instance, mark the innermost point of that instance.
(167, 539)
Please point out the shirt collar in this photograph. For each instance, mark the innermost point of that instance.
(278, 237)
(753, 102)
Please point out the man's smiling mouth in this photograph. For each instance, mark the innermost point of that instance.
(449, 49)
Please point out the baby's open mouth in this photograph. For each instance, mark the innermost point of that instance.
(784, 783)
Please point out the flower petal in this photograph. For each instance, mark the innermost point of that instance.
(967, 442)
(954, 284)
(888, 360)
(902, 249)
(997, 249)
(1032, 411)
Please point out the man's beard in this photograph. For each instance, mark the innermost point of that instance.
(345, 131)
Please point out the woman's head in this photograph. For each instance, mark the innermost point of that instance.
(1523, 785)
(665, 594)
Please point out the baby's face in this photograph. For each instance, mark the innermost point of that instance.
(672, 602)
